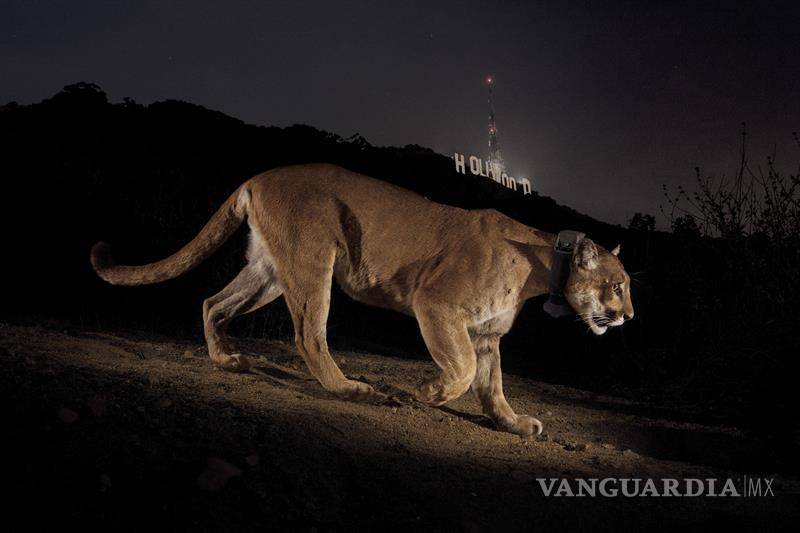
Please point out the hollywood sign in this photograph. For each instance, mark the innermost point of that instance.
(478, 167)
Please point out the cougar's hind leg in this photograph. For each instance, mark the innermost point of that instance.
(449, 344)
(488, 387)
(308, 292)
(255, 286)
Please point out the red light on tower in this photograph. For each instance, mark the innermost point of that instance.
(489, 79)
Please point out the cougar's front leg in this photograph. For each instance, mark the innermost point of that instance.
(488, 387)
(448, 342)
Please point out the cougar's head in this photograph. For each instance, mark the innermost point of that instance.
(598, 288)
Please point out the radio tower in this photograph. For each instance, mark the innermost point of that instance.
(495, 157)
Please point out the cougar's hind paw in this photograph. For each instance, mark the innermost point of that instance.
(523, 426)
(233, 362)
(355, 391)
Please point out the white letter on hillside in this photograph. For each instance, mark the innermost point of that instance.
(474, 165)
(460, 166)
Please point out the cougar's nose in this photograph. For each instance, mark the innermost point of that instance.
(628, 316)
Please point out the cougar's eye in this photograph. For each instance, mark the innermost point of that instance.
(617, 288)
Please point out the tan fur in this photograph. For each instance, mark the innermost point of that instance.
(464, 275)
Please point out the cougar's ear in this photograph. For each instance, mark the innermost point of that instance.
(585, 255)
(615, 251)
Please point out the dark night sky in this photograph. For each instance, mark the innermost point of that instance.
(597, 105)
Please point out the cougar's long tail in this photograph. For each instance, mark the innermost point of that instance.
(216, 231)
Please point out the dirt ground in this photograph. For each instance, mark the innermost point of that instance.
(132, 432)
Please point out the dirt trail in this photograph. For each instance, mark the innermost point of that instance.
(129, 431)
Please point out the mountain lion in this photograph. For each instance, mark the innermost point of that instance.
(464, 275)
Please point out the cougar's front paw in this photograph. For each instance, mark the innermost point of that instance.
(522, 425)
(430, 393)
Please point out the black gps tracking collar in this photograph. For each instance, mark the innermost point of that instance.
(556, 305)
